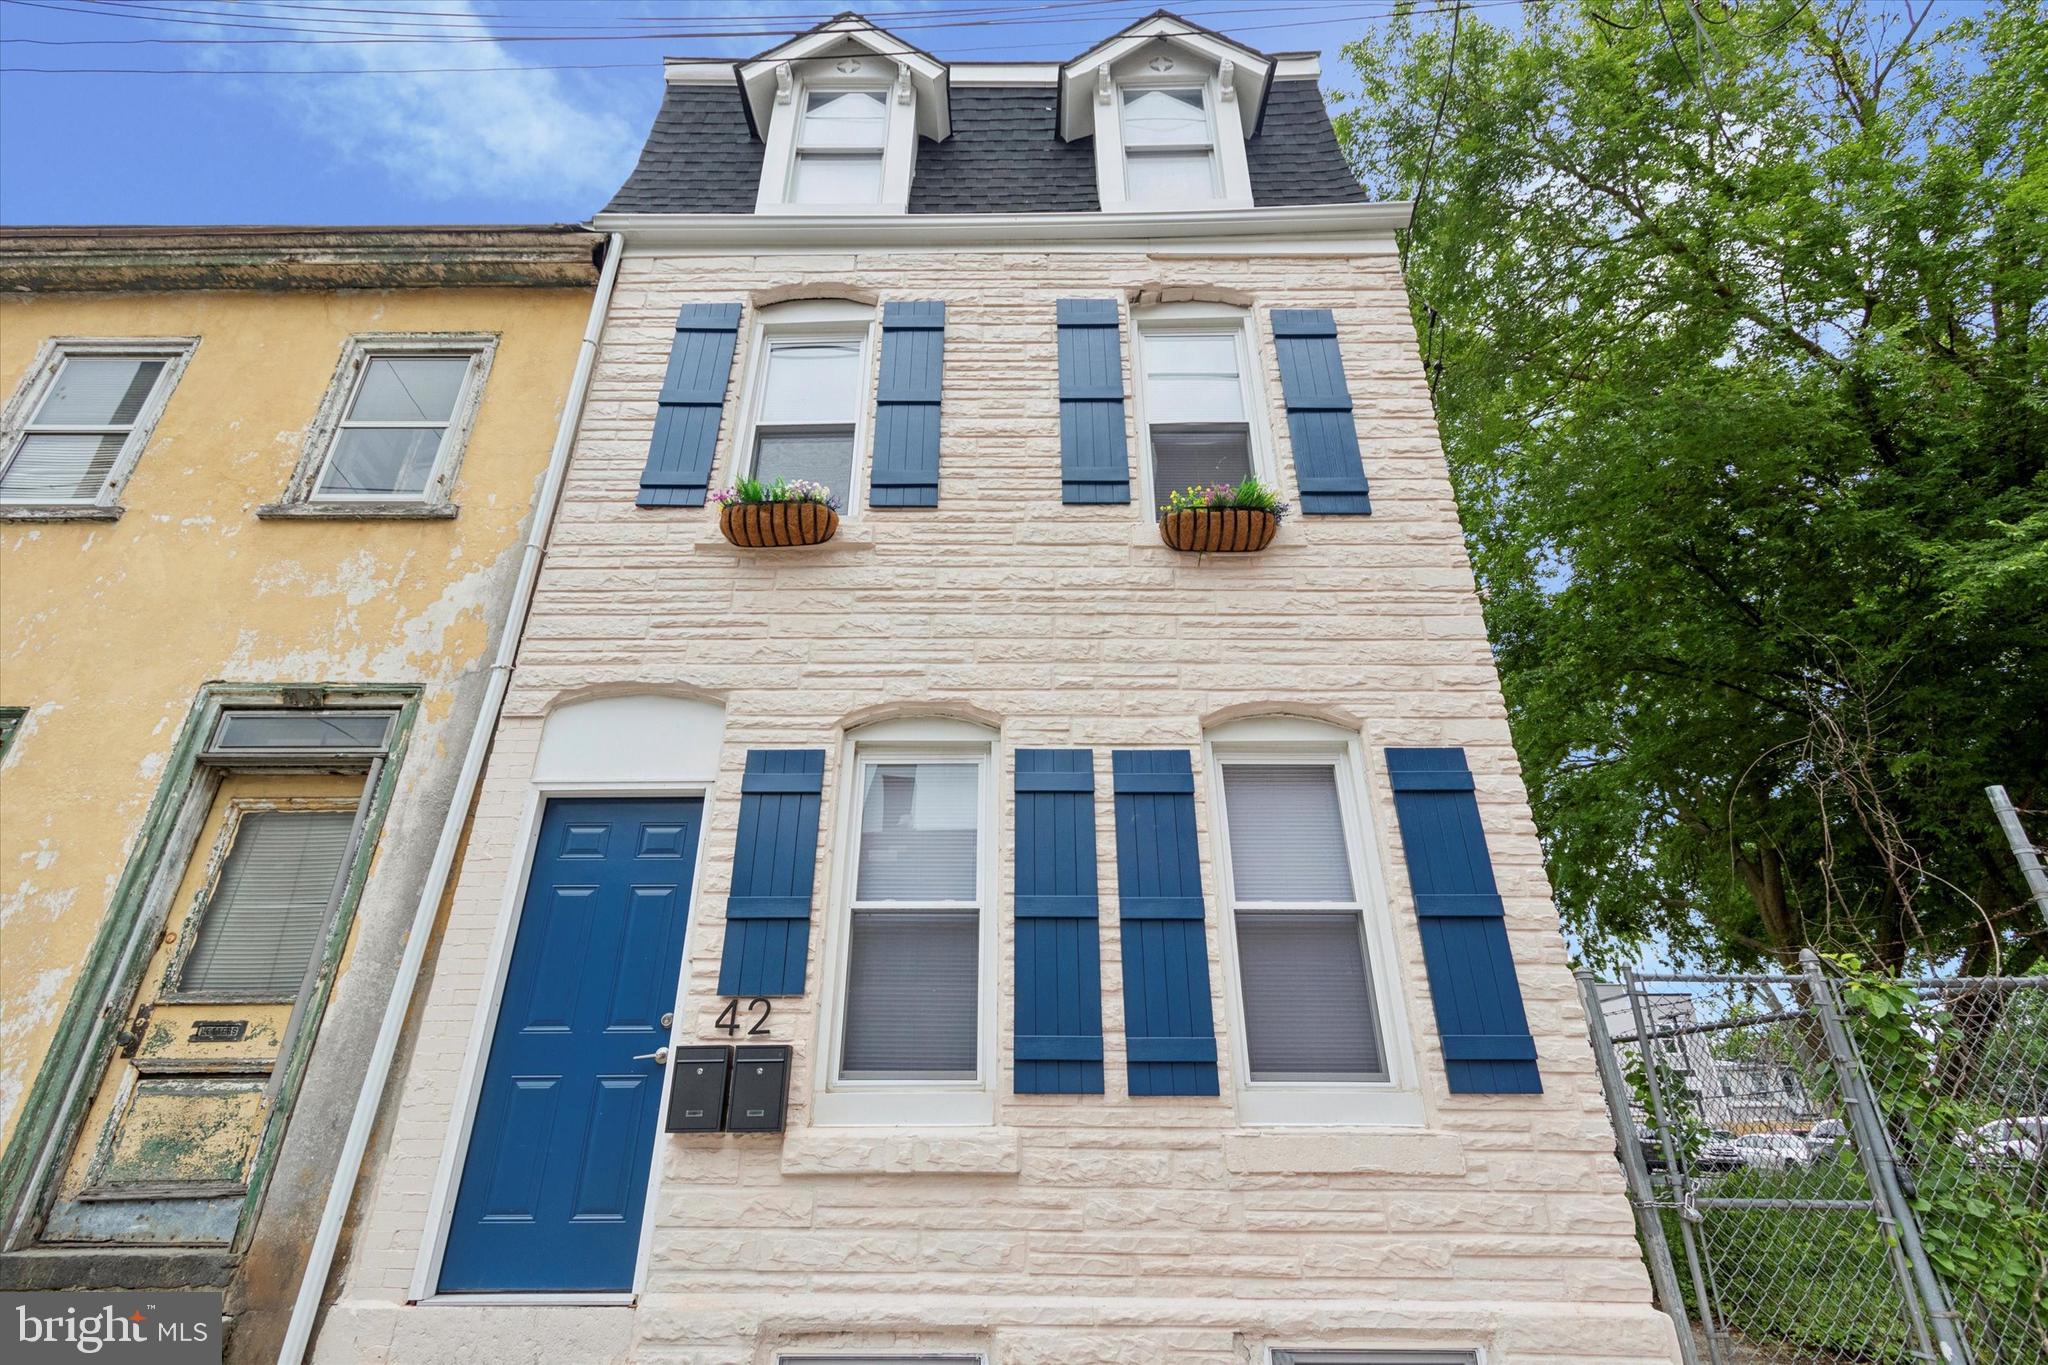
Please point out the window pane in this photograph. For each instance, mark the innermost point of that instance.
(1189, 457)
(263, 923)
(837, 179)
(917, 832)
(1286, 832)
(812, 381)
(382, 460)
(1192, 377)
(409, 389)
(845, 118)
(1168, 177)
(49, 466)
(911, 979)
(1171, 118)
(823, 456)
(98, 392)
(303, 730)
(1308, 1008)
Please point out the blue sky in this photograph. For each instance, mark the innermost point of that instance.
(226, 125)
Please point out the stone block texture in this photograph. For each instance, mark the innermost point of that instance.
(1100, 1228)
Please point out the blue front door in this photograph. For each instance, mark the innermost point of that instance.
(558, 1156)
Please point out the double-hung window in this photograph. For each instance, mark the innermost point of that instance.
(84, 420)
(1169, 145)
(915, 946)
(1316, 1003)
(1309, 1011)
(810, 379)
(1197, 405)
(393, 440)
(840, 141)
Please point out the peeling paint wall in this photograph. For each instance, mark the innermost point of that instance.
(108, 630)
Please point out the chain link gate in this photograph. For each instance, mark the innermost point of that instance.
(1785, 1188)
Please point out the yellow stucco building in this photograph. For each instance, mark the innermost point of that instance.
(265, 497)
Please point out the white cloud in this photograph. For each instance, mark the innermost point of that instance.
(519, 134)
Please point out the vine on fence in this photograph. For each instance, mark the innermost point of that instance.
(1982, 1240)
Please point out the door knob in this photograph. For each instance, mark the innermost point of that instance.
(659, 1054)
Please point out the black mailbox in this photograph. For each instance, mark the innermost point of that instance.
(760, 1089)
(696, 1094)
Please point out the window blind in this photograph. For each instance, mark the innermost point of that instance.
(1308, 1003)
(264, 921)
(1286, 833)
(911, 984)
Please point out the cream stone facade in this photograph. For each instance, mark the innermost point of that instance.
(1411, 1202)
(1071, 1228)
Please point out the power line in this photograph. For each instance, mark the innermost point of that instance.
(1361, 17)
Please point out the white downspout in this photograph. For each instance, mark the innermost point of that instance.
(306, 1309)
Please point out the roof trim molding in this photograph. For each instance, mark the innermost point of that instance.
(125, 259)
(760, 77)
(719, 72)
(1250, 71)
(722, 232)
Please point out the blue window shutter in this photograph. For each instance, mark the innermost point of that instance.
(1168, 1028)
(907, 391)
(1479, 1017)
(768, 913)
(1095, 464)
(692, 397)
(1327, 466)
(1059, 940)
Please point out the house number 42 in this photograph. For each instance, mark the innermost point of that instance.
(759, 1009)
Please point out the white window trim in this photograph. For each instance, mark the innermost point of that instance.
(1207, 146)
(813, 320)
(1251, 374)
(303, 496)
(1233, 171)
(902, 1103)
(176, 352)
(795, 82)
(1396, 1101)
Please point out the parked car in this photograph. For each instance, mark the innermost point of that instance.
(2007, 1142)
(1773, 1151)
(1719, 1152)
(1829, 1139)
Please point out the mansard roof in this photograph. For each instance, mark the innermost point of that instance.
(1001, 148)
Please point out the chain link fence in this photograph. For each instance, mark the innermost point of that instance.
(1835, 1170)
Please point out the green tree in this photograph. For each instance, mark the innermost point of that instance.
(1734, 317)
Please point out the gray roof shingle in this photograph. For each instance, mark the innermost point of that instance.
(1004, 156)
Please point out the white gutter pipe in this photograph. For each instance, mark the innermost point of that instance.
(306, 1309)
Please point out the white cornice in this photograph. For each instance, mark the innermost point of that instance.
(694, 71)
(1308, 224)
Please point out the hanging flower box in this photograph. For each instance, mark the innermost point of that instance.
(1221, 518)
(758, 516)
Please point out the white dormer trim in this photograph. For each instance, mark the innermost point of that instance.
(795, 83)
(927, 75)
(1250, 72)
(1231, 186)
(846, 54)
(1165, 52)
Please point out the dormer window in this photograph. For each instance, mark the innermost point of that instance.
(1169, 145)
(839, 111)
(1169, 110)
(839, 147)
